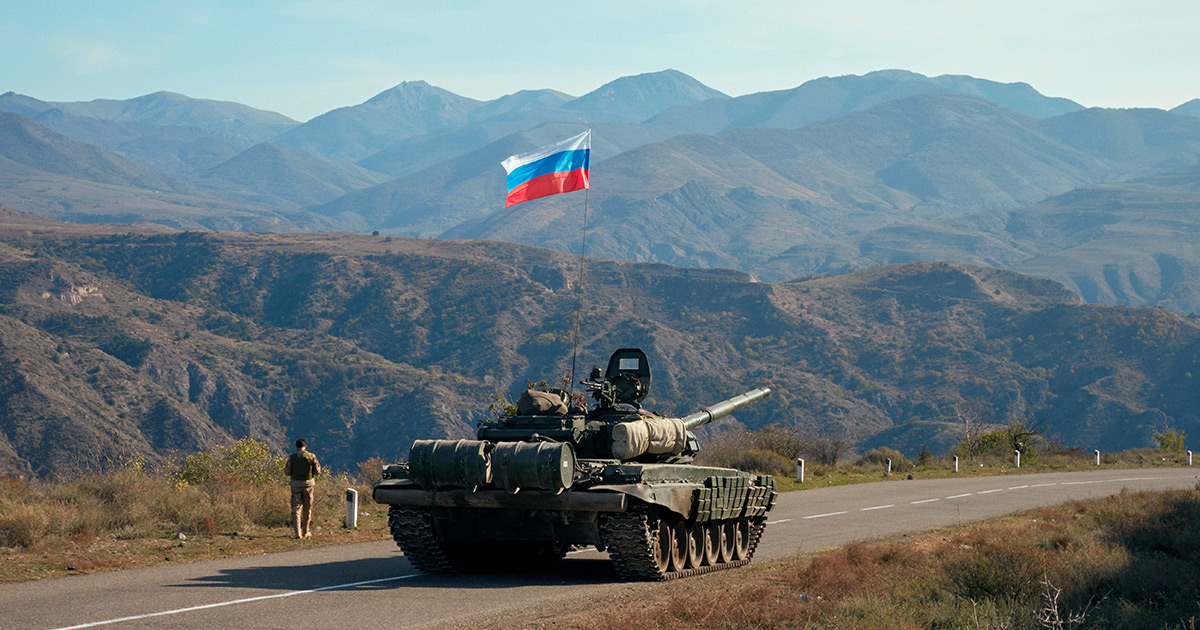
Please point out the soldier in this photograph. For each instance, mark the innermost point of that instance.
(302, 467)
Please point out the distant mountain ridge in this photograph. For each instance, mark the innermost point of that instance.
(1131, 243)
(24, 142)
(286, 176)
(831, 97)
(682, 173)
(415, 108)
(118, 342)
(1190, 108)
(47, 173)
(172, 109)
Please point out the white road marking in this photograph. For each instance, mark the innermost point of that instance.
(782, 520)
(824, 515)
(236, 601)
(1043, 485)
(1084, 483)
(959, 496)
(924, 501)
(990, 491)
(877, 507)
(575, 551)
(1018, 487)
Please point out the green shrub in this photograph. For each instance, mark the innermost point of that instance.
(1171, 441)
(879, 456)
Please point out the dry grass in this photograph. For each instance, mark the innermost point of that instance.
(1128, 561)
(943, 467)
(133, 517)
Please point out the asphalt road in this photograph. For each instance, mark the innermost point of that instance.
(372, 586)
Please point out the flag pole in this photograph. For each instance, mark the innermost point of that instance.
(579, 292)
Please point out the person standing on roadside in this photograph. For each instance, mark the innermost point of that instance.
(302, 467)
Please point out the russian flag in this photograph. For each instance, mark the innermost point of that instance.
(557, 168)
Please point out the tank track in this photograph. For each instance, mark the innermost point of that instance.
(412, 529)
(632, 541)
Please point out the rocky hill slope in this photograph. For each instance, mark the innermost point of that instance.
(117, 342)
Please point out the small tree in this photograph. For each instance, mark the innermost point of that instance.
(1171, 441)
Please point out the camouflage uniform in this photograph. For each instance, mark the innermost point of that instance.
(302, 467)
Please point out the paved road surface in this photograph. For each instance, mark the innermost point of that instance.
(371, 585)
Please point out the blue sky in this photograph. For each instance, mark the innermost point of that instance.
(305, 58)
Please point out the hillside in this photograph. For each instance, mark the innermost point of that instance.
(1190, 108)
(1132, 243)
(165, 131)
(352, 133)
(168, 109)
(24, 142)
(52, 175)
(286, 177)
(636, 98)
(134, 343)
(744, 195)
(832, 97)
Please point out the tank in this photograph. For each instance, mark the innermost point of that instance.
(552, 477)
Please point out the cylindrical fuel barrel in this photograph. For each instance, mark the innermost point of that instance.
(533, 466)
(450, 463)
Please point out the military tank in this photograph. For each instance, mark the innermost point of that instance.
(552, 477)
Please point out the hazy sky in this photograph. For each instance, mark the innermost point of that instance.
(305, 58)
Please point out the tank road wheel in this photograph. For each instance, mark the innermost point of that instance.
(695, 545)
(680, 541)
(666, 546)
(641, 543)
(712, 542)
(741, 547)
(728, 541)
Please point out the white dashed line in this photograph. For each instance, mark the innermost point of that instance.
(236, 601)
(877, 507)
(1043, 485)
(1084, 483)
(959, 496)
(990, 491)
(824, 515)
(1018, 487)
(924, 501)
(782, 520)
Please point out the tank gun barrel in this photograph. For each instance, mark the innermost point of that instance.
(724, 408)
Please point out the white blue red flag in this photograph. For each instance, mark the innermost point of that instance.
(557, 168)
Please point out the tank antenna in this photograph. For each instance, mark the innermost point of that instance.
(579, 296)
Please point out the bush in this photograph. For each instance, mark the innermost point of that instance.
(247, 460)
(1171, 441)
(879, 456)
(778, 440)
(760, 461)
(823, 451)
(1002, 442)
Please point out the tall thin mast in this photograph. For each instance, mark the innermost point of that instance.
(579, 293)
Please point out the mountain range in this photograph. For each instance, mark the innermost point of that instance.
(123, 341)
(777, 184)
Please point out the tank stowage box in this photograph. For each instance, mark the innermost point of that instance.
(616, 477)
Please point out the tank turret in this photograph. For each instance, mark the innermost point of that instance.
(590, 474)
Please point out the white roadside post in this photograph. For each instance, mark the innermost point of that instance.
(1097, 457)
(1017, 459)
(799, 470)
(351, 508)
(887, 468)
(956, 463)
(1189, 458)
